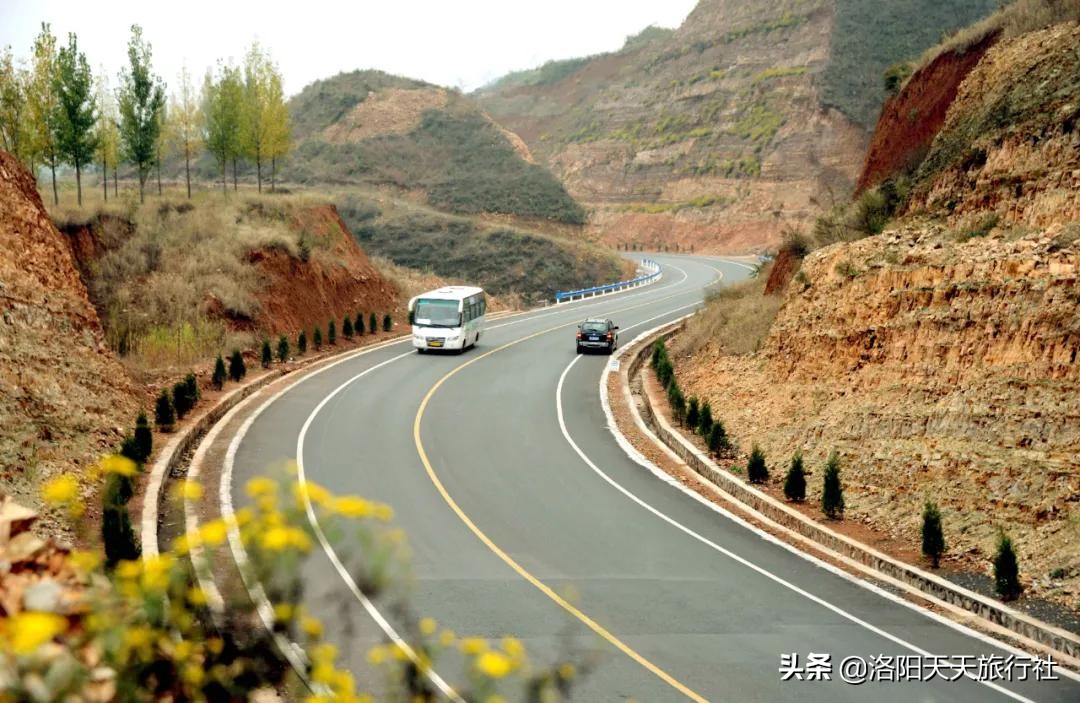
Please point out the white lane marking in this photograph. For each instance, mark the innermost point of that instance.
(731, 555)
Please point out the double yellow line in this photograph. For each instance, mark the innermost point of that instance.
(499, 552)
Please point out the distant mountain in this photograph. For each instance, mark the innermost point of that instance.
(750, 116)
(371, 128)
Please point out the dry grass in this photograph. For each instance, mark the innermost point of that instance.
(1017, 18)
(412, 282)
(735, 318)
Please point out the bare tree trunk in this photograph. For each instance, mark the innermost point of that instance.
(234, 174)
(105, 179)
(159, 174)
(273, 172)
(116, 180)
(142, 184)
(187, 169)
(258, 169)
(55, 194)
(78, 181)
(224, 179)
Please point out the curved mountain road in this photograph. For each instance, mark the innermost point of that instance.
(525, 517)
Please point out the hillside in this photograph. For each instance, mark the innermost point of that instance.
(370, 128)
(939, 357)
(748, 117)
(62, 394)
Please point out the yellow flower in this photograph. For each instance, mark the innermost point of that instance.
(446, 638)
(189, 490)
(312, 627)
(473, 645)
(494, 664)
(311, 491)
(215, 645)
(428, 626)
(324, 652)
(182, 544)
(156, 572)
(566, 671)
(376, 655)
(83, 560)
(116, 464)
(213, 532)
(192, 674)
(352, 506)
(278, 539)
(283, 612)
(138, 640)
(495, 699)
(29, 630)
(322, 673)
(261, 486)
(513, 647)
(243, 516)
(196, 596)
(129, 569)
(384, 513)
(62, 490)
(399, 652)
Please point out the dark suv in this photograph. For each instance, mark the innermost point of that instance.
(597, 334)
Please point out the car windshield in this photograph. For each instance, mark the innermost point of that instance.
(594, 327)
(436, 313)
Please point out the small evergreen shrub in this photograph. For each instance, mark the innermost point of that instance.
(705, 420)
(718, 439)
(331, 333)
(693, 414)
(217, 380)
(347, 328)
(118, 535)
(267, 354)
(283, 349)
(130, 449)
(665, 373)
(359, 326)
(756, 470)
(301, 343)
(677, 402)
(387, 322)
(144, 438)
(237, 369)
(316, 338)
(181, 402)
(1006, 569)
(933, 537)
(373, 323)
(795, 481)
(164, 412)
(832, 493)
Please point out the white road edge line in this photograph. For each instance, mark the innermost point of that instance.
(640, 459)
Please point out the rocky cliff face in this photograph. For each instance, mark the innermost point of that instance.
(940, 358)
(63, 398)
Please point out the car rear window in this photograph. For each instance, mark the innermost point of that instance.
(594, 327)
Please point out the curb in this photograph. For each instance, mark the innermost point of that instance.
(1054, 638)
(182, 442)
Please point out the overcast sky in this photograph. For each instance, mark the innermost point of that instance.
(463, 43)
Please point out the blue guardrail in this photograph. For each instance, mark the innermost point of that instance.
(566, 296)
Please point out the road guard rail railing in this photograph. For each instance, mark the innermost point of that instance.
(649, 269)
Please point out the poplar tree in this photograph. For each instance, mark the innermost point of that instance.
(108, 134)
(142, 101)
(278, 127)
(255, 113)
(74, 86)
(14, 129)
(222, 96)
(42, 109)
(186, 117)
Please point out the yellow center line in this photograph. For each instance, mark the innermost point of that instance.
(521, 570)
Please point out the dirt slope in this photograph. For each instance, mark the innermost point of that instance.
(63, 397)
(940, 358)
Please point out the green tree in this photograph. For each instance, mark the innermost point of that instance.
(331, 333)
(301, 343)
(217, 380)
(181, 401)
(108, 133)
(693, 414)
(283, 349)
(74, 86)
(221, 118)
(1006, 569)
(705, 419)
(387, 322)
(359, 325)
(142, 101)
(316, 338)
(267, 354)
(163, 144)
(717, 439)
(186, 117)
(15, 134)
(164, 412)
(373, 323)
(677, 402)
(237, 368)
(278, 128)
(795, 481)
(347, 328)
(933, 537)
(42, 104)
(832, 493)
(264, 117)
(121, 544)
(144, 437)
(756, 470)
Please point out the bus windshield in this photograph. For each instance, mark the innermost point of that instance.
(436, 313)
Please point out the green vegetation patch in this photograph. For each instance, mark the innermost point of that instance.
(869, 36)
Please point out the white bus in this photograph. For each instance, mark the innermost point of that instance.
(448, 318)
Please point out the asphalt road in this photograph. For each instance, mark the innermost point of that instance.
(512, 532)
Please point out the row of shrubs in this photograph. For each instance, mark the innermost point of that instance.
(697, 417)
